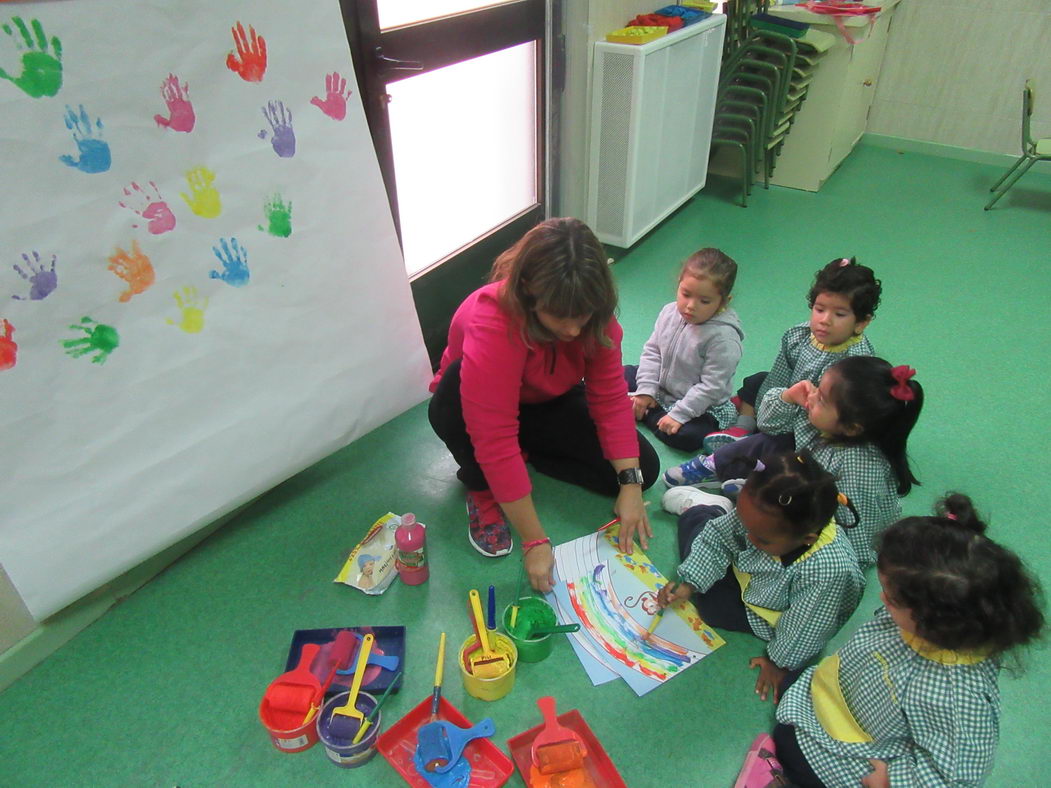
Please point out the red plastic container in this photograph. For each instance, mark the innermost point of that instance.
(490, 768)
(597, 764)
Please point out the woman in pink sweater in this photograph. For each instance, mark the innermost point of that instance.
(533, 371)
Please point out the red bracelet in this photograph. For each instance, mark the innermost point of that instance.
(530, 545)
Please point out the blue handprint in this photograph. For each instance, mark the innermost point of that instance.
(94, 151)
(280, 120)
(41, 280)
(234, 258)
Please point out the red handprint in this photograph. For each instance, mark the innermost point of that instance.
(335, 103)
(180, 111)
(8, 348)
(251, 50)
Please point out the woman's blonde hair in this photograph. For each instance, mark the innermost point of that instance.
(558, 267)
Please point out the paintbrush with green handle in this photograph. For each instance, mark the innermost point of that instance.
(375, 710)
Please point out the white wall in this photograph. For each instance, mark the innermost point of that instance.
(954, 69)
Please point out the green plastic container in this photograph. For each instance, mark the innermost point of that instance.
(532, 612)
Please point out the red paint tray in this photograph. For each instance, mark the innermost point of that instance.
(597, 763)
(490, 768)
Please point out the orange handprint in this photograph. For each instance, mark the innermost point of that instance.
(134, 268)
(251, 50)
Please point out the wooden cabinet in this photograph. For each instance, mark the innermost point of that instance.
(836, 109)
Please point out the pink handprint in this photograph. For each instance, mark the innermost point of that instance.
(181, 116)
(335, 103)
(8, 348)
(153, 209)
(251, 50)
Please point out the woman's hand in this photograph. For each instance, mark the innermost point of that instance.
(770, 677)
(878, 777)
(641, 404)
(798, 394)
(633, 520)
(539, 561)
(670, 593)
(668, 425)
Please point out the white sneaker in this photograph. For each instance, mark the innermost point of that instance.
(678, 499)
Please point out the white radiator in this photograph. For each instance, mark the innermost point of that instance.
(651, 128)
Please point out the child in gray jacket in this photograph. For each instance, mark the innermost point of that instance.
(682, 386)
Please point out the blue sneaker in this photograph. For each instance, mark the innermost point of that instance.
(695, 472)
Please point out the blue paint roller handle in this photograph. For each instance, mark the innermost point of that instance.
(458, 738)
(384, 661)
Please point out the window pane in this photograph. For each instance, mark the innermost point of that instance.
(465, 150)
(394, 13)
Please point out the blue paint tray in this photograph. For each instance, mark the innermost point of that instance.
(389, 641)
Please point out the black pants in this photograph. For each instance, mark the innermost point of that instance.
(559, 437)
(750, 388)
(720, 606)
(690, 436)
(736, 460)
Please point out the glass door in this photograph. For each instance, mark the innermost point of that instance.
(454, 93)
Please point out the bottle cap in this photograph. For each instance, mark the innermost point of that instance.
(408, 518)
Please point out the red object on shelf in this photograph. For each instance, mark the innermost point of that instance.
(490, 767)
(597, 765)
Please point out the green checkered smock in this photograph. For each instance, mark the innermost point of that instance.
(815, 594)
(933, 715)
(862, 472)
(802, 357)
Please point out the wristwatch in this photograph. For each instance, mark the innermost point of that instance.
(630, 476)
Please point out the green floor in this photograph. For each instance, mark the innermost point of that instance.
(163, 690)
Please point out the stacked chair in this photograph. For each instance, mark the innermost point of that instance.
(763, 83)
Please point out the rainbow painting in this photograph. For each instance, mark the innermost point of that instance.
(613, 598)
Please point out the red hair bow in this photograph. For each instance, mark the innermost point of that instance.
(901, 389)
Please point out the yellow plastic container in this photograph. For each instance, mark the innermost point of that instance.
(496, 687)
(640, 34)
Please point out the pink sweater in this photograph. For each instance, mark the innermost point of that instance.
(499, 372)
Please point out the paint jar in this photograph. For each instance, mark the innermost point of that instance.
(295, 739)
(489, 688)
(339, 749)
(411, 561)
(533, 613)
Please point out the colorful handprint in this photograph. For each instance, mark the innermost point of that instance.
(181, 116)
(99, 339)
(191, 307)
(42, 280)
(203, 198)
(250, 61)
(234, 258)
(8, 348)
(278, 217)
(335, 103)
(94, 151)
(151, 207)
(41, 71)
(282, 138)
(134, 268)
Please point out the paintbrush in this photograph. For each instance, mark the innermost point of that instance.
(658, 615)
(518, 594)
(491, 621)
(615, 520)
(375, 710)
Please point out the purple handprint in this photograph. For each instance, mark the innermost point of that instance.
(234, 258)
(94, 151)
(283, 139)
(335, 103)
(181, 116)
(42, 280)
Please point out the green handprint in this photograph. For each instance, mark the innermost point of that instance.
(41, 71)
(203, 198)
(278, 216)
(100, 339)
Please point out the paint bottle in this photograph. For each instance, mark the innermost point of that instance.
(411, 562)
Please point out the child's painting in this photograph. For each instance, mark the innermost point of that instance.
(201, 289)
(613, 597)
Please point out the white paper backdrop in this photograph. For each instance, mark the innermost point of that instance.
(252, 339)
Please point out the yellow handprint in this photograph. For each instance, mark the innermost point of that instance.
(203, 198)
(192, 307)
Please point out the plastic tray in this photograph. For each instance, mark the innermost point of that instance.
(597, 763)
(388, 640)
(490, 768)
(636, 35)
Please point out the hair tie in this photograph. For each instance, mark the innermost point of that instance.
(759, 466)
(901, 390)
(844, 262)
(800, 460)
(950, 516)
(842, 499)
(784, 499)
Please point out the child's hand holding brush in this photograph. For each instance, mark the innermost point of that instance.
(671, 593)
